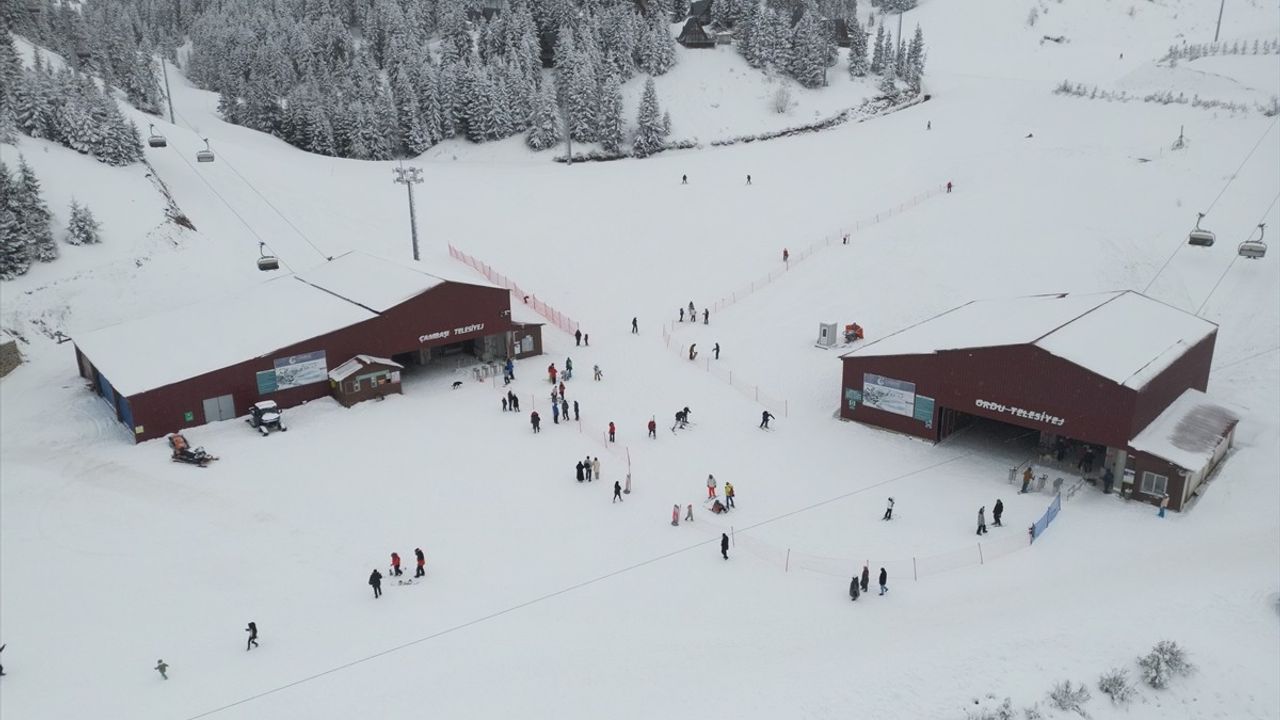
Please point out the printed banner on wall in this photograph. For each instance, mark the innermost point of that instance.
(889, 395)
(298, 370)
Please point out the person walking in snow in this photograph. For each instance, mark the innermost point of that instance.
(580, 471)
(564, 409)
(575, 409)
(422, 562)
(535, 421)
(693, 351)
(375, 580)
(612, 430)
(866, 577)
(681, 314)
(711, 486)
(2, 647)
(586, 339)
(515, 402)
(511, 369)
(586, 465)
(617, 491)
(395, 564)
(577, 337)
(706, 316)
(684, 179)
(561, 387)
(555, 412)
(163, 668)
(635, 326)
(728, 495)
(765, 417)
(653, 428)
(505, 402)
(853, 588)
(675, 515)
(599, 375)
(996, 512)
(595, 468)
(551, 373)
(786, 256)
(884, 581)
(693, 313)
(748, 179)
(568, 369)
(888, 511)
(724, 546)
(716, 349)
(928, 125)
(253, 636)
(948, 186)
(1164, 505)
(982, 520)
(1027, 476)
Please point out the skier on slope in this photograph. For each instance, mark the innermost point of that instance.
(163, 668)
(612, 429)
(716, 349)
(575, 409)
(693, 313)
(653, 428)
(888, 511)
(765, 417)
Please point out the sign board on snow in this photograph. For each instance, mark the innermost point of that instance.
(890, 395)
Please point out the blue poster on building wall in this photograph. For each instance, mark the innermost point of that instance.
(852, 397)
(267, 382)
(924, 410)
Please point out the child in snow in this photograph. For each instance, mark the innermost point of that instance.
(711, 486)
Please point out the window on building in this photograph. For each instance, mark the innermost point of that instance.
(355, 386)
(1153, 484)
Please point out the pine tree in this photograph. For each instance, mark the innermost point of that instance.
(33, 214)
(15, 255)
(877, 52)
(82, 228)
(650, 133)
(857, 50)
(916, 54)
(10, 77)
(611, 115)
(888, 88)
(544, 132)
(413, 137)
(583, 99)
(808, 55)
(679, 11)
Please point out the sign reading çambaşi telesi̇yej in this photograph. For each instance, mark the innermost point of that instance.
(888, 394)
(441, 334)
(1037, 415)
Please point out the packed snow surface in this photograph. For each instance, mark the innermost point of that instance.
(544, 599)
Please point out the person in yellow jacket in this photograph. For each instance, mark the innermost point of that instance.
(728, 494)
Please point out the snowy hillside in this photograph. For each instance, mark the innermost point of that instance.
(542, 598)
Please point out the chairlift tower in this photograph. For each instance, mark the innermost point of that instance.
(410, 176)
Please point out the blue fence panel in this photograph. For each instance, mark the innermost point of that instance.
(1043, 523)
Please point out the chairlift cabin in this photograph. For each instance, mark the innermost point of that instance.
(205, 155)
(1200, 237)
(265, 261)
(1254, 249)
(156, 139)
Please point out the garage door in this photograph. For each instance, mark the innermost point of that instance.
(218, 408)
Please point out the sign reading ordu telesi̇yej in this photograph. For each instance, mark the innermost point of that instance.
(1036, 415)
(442, 334)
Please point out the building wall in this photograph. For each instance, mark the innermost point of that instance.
(1142, 462)
(522, 330)
(446, 314)
(1091, 408)
(10, 358)
(1189, 371)
(346, 393)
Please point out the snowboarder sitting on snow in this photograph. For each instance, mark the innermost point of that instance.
(765, 417)
(718, 507)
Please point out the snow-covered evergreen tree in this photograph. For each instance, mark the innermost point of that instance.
(808, 56)
(877, 50)
(916, 53)
(544, 131)
(15, 256)
(413, 136)
(650, 134)
(33, 214)
(679, 11)
(583, 101)
(888, 88)
(611, 123)
(857, 50)
(10, 77)
(82, 228)
(657, 49)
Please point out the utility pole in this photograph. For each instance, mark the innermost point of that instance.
(568, 137)
(1218, 29)
(410, 176)
(164, 68)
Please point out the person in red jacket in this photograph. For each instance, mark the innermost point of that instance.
(653, 428)
(551, 372)
(395, 564)
(612, 430)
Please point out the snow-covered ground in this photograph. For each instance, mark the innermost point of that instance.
(543, 599)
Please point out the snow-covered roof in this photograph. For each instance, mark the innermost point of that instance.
(1187, 432)
(376, 283)
(1123, 336)
(162, 349)
(354, 365)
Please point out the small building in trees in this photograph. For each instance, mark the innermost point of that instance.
(693, 36)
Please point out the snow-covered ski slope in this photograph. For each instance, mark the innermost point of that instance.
(545, 600)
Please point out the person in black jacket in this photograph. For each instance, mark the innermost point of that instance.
(884, 581)
(253, 636)
(581, 474)
(422, 562)
(866, 577)
(617, 491)
(853, 588)
(724, 545)
(996, 512)
(375, 580)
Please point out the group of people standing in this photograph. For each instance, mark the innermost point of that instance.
(858, 585)
(375, 577)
